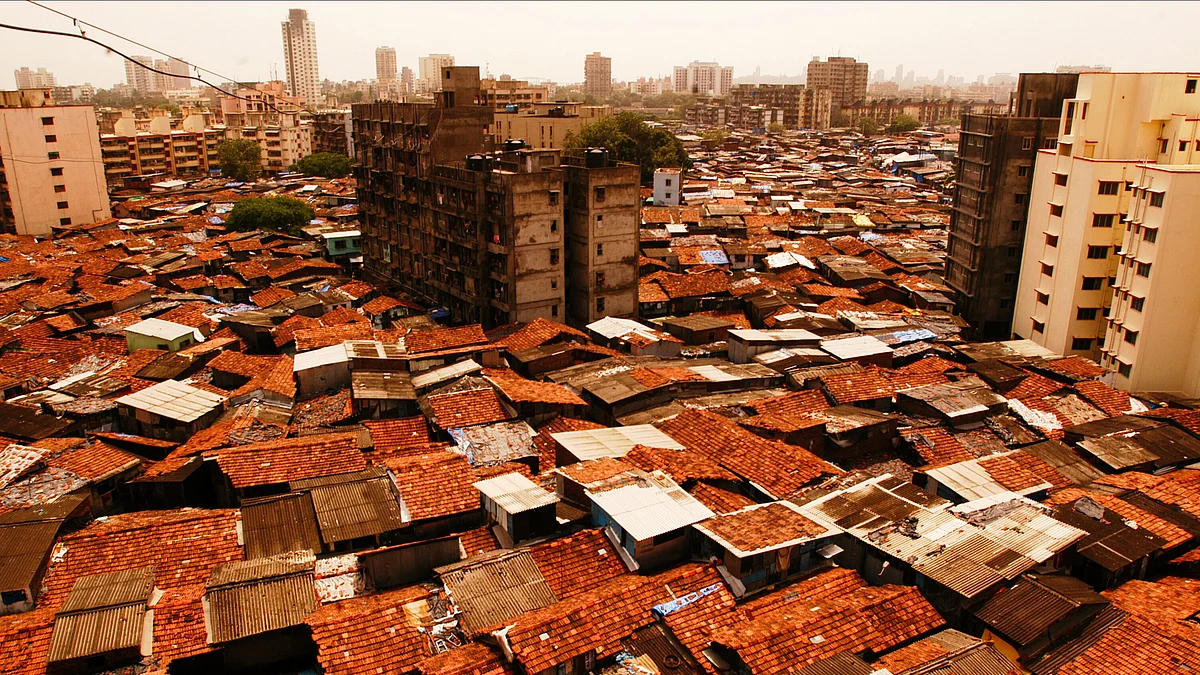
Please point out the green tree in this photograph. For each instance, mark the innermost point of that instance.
(627, 136)
(868, 127)
(775, 128)
(324, 164)
(839, 119)
(715, 135)
(902, 124)
(241, 159)
(274, 214)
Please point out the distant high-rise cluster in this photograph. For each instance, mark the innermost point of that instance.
(429, 69)
(597, 76)
(844, 76)
(705, 78)
(385, 63)
(34, 79)
(300, 56)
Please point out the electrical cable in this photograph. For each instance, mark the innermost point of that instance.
(45, 31)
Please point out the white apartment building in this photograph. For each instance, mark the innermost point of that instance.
(429, 70)
(34, 79)
(51, 171)
(1111, 244)
(704, 78)
(141, 79)
(300, 57)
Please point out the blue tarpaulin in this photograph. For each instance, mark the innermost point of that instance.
(714, 257)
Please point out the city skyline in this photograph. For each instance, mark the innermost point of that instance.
(347, 45)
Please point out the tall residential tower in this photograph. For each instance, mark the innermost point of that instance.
(300, 57)
(597, 76)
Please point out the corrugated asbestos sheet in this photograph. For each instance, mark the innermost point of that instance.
(103, 613)
(1053, 660)
(357, 509)
(653, 641)
(843, 663)
(280, 524)
(495, 587)
(23, 549)
(256, 596)
(1026, 611)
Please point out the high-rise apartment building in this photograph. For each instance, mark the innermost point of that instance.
(385, 63)
(843, 76)
(51, 171)
(489, 236)
(704, 78)
(597, 76)
(300, 57)
(429, 72)
(408, 83)
(142, 80)
(803, 107)
(1111, 243)
(996, 154)
(34, 79)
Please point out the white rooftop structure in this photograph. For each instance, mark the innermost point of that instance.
(650, 505)
(616, 327)
(174, 400)
(325, 356)
(164, 330)
(444, 374)
(848, 349)
(971, 481)
(794, 336)
(515, 493)
(614, 441)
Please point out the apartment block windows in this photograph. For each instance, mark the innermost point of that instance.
(1019, 198)
(1131, 336)
(1190, 87)
(1097, 252)
(51, 138)
(1060, 179)
(1043, 298)
(554, 225)
(1162, 146)
(1087, 313)
(553, 256)
(1039, 326)
(1093, 283)
(52, 155)
(1157, 199)
(1136, 304)
(62, 205)
(599, 249)
(1048, 270)
(1027, 143)
(1016, 226)
(599, 194)
(554, 310)
(1124, 369)
(553, 197)
(64, 221)
(1109, 187)
(1082, 344)
(1023, 170)
(1143, 269)
(56, 171)
(1103, 219)
(47, 121)
(1150, 235)
(60, 188)
(599, 304)
(1052, 240)
(1056, 210)
(1183, 146)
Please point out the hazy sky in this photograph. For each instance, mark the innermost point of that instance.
(542, 39)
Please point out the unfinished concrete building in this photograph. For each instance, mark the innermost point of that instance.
(483, 233)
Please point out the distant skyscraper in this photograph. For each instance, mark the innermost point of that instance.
(300, 56)
(180, 70)
(899, 73)
(141, 79)
(844, 76)
(597, 76)
(941, 78)
(34, 79)
(385, 63)
(408, 83)
(429, 71)
(704, 78)
(879, 76)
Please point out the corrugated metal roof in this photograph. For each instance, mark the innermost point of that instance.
(174, 400)
(356, 509)
(650, 505)
(495, 587)
(280, 524)
(515, 493)
(110, 589)
(379, 385)
(847, 349)
(453, 371)
(103, 613)
(613, 442)
(256, 596)
(844, 663)
(1030, 608)
(23, 549)
(158, 328)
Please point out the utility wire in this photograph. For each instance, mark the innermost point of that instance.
(81, 36)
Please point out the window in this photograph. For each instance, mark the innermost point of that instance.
(1016, 226)
(599, 194)
(668, 195)
(599, 249)
(1060, 179)
(1131, 336)
(1005, 303)
(1043, 298)
(1189, 88)
(553, 284)
(1064, 149)
(1143, 269)
(1103, 219)
(52, 155)
(47, 121)
(1083, 111)
(1010, 277)
(599, 278)
(1056, 210)
(1093, 283)
(1087, 313)
(1039, 327)
(554, 310)
(1162, 146)
(1081, 344)
(1136, 304)
(56, 171)
(1012, 251)
(1183, 146)
(1052, 240)
(340, 244)
(64, 221)
(62, 205)
(1027, 143)
(668, 182)
(1109, 187)
(51, 138)
(1048, 270)
(599, 219)
(60, 188)
(1019, 198)
(554, 225)
(1050, 144)
(1157, 198)
(553, 256)
(1150, 235)
(1125, 369)
(1023, 170)
(1097, 252)
(599, 304)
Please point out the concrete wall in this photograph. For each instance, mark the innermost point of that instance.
(602, 239)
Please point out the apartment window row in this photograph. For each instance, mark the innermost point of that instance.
(1103, 219)
(1082, 343)
(1060, 179)
(1087, 313)
(1097, 252)
(1143, 269)
(1056, 210)
(1109, 187)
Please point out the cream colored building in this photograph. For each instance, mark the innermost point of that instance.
(429, 70)
(545, 125)
(1111, 245)
(300, 57)
(51, 172)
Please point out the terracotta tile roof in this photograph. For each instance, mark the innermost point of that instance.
(356, 289)
(445, 338)
(327, 336)
(342, 316)
(179, 628)
(434, 485)
(380, 305)
(26, 640)
(795, 403)
(761, 527)
(1188, 419)
(737, 318)
(393, 435)
(886, 307)
(183, 545)
(478, 540)
(1034, 386)
(916, 654)
(936, 446)
(827, 585)
(467, 408)
(271, 295)
(864, 385)
(902, 380)
(539, 332)
(651, 291)
(719, 500)
(194, 282)
(931, 364)
(473, 659)
(1009, 472)
(777, 468)
(1112, 401)
(828, 291)
(680, 465)
(517, 389)
(322, 411)
(96, 462)
(286, 331)
(1077, 366)
(547, 451)
(1168, 599)
(1137, 646)
(290, 459)
(1172, 533)
(849, 245)
(578, 563)
(694, 624)
(600, 618)
(370, 635)
(243, 364)
(591, 471)
(835, 305)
